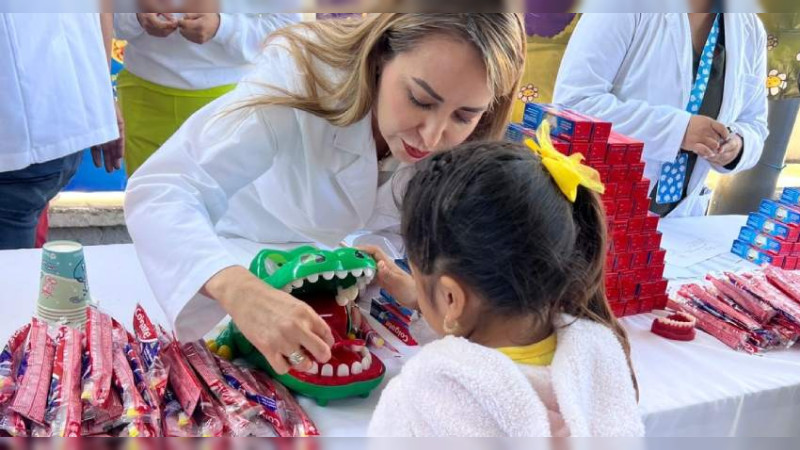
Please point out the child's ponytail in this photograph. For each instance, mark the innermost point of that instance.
(588, 300)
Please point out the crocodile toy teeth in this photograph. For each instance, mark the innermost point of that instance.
(330, 282)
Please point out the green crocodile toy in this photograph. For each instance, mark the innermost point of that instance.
(330, 282)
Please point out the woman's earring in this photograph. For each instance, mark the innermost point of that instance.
(450, 328)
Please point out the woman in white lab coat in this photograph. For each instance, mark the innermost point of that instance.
(304, 149)
(638, 71)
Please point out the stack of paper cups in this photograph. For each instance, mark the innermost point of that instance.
(64, 290)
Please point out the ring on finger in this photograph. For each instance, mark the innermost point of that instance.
(296, 358)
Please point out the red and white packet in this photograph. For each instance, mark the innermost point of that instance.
(148, 423)
(210, 419)
(12, 424)
(9, 363)
(238, 410)
(269, 420)
(101, 420)
(184, 382)
(100, 348)
(34, 375)
(297, 422)
(760, 286)
(64, 408)
(175, 422)
(787, 282)
(134, 405)
(711, 297)
(150, 349)
(759, 310)
(729, 334)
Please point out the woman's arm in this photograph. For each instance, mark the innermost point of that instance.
(175, 199)
(173, 203)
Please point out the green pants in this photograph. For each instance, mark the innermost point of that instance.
(153, 113)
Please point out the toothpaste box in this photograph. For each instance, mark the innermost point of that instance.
(635, 151)
(584, 148)
(650, 222)
(791, 196)
(392, 321)
(601, 130)
(405, 312)
(641, 189)
(597, 153)
(636, 225)
(755, 255)
(636, 171)
(625, 189)
(658, 258)
(633, 148)
(771, 227)
(771, 245)
(564, 124)
(561, 146)
(515, 132)
(616, 149)
(618, 174)
(780, 212)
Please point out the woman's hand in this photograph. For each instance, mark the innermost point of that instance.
(397, 282)
(704, 136)
(276, 323)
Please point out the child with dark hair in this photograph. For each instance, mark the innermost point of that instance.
(507, 250)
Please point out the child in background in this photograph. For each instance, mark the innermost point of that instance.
(177, 63)
(507, 250)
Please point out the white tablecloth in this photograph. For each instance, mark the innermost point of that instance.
(700, 388)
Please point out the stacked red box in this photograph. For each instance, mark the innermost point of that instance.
(635, 265)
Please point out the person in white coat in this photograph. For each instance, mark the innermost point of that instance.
(55, 101)
(507, 259)
(303, 151)
(649, 75)
(177, 63)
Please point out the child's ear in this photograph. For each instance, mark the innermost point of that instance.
(451, 297)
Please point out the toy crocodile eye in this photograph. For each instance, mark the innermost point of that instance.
(309, 258)
(271, 266)
(360, 255)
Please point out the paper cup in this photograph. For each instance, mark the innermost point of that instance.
(63, 288)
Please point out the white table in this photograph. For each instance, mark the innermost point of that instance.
(701, 388)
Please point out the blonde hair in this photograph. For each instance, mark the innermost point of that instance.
(358, 48)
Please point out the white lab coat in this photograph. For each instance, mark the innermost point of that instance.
(178, 63)
(635, 70)
(271, 175)
(55, 88)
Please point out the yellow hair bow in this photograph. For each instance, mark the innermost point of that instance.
(567, 171)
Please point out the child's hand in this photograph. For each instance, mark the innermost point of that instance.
(391, 277)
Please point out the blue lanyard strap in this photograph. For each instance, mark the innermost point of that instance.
(704, 70)
(670, 189)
